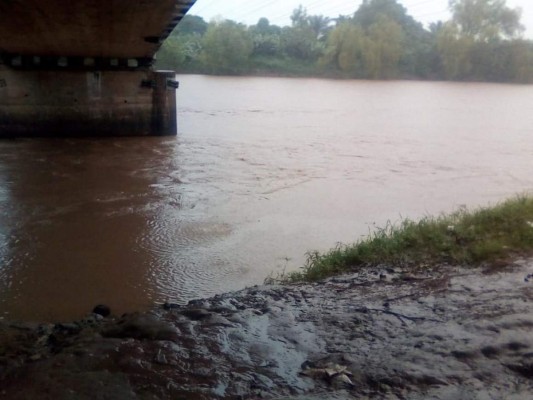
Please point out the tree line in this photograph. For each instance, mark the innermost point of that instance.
(481, 42)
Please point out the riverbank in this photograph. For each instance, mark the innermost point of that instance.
(465, 237)
(441, 332)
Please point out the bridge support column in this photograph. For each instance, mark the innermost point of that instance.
(86, 103)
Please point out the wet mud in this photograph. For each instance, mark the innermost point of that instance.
(439, 332)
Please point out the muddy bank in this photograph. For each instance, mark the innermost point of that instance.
(438, 333)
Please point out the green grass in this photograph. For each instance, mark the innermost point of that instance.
(464, 237)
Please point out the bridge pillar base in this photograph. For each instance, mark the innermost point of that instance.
(87, 103)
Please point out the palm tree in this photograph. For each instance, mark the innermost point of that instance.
(319, 24)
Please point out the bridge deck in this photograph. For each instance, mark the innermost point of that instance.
(88, 28)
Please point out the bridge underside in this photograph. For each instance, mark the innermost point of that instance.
(84, 67)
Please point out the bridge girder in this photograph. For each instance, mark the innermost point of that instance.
(100, 29)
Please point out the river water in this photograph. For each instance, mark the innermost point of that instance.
(262, 171)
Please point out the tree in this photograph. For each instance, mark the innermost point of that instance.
(181, 51)
(319, 25)
(299, 17)
(170, 55)
(417, 45)
(227, 47)
(521, 61)
(266, 38)
(300, 41)
(473, 44)
(485, 20)
(370, 11)
(264, 27)
(344, 48)
(383, 49)
(454, 50)
(304, 40)
(190, 25)
(370, 51)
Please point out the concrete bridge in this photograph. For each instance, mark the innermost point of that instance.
(83, 67)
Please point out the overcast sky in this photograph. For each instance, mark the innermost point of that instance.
(279, 11)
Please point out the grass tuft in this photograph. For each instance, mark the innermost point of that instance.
(463, 237)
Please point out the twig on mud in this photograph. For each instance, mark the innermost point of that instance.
(414, 294)
(401, 317)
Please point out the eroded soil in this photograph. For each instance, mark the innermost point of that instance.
(437, 333)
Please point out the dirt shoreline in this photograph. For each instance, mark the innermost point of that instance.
(437, 333)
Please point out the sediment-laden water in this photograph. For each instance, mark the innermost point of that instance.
(263, 170)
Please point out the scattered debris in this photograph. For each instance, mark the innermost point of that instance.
(331, 373)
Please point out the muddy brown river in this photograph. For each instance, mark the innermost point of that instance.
(262, 171)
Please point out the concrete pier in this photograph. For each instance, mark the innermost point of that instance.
(89, 103)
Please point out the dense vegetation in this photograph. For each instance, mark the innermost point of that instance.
(464, 237)
(481, 42)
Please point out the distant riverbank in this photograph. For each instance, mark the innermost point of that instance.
(379, 41)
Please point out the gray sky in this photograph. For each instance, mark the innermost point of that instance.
(279, 11)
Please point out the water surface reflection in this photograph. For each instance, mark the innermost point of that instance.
(73, 211)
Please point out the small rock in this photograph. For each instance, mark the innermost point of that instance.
(195, 314)
(170, 306)
(142, 326)
(161, 358)
(68, 327)
(217, 320)
(223, 310)
(266, 310)
(36, 357)
(102, 309)
(342, 380)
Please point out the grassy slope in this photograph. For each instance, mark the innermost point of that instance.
(464, 237)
